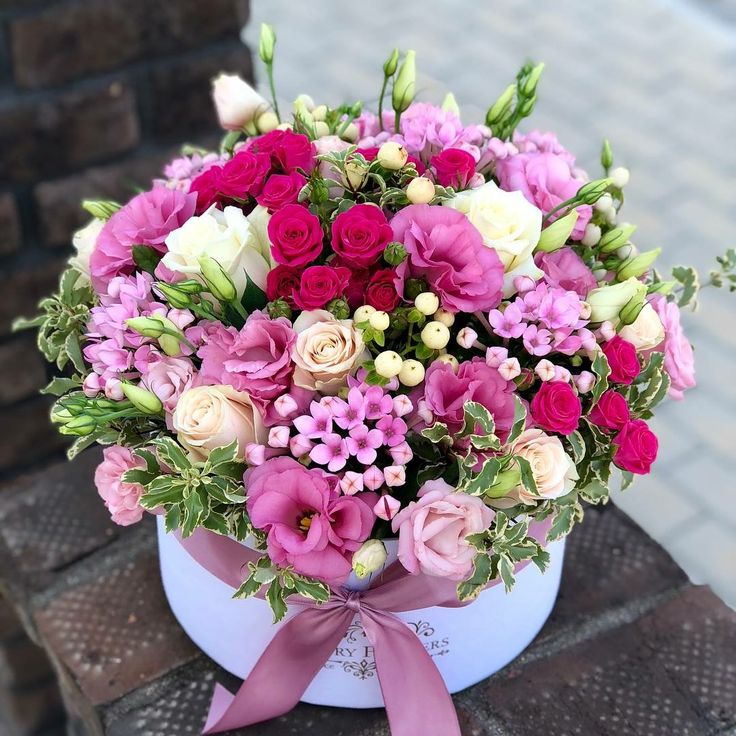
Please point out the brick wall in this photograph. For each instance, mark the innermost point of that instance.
(94, 96)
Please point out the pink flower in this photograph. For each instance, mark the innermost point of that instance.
(386, 507)
(392, 429)
(453, 168)
(363, 443)
(299, 445)
(446, 393)
(167, 377)
(402, 405)
(395, 475)
(351, 483)
(351, 413)
(289, 151)
(679, 361)
(636, 447)
(623, 360)
(278, 437)
(280, 190)
(556, 408)
(377, 403)
(317, 423)
(146, 220)
(295, 235)
(308, 523)
(496, 355)
(373, 478)
(611, 411)
(333, 452)
(122, 499)
(508, 323)
(401, 454)
(433, 531)
(565, 269)
(243, 175)
(446, 250)
(360, 234)
(319, 285)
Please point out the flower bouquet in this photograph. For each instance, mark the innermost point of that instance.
(367, 369)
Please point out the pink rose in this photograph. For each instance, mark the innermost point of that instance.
(289, 151)
(453, 168)
(244, 174)
(318, 285)
(255, 359)
(556, 408)
(565, 269)
(295, 235)
(433, 531)
(636, 447)
(446, 393)
(308, 523)
(360, 234)
(165, 376)
(446, 250)
(611, 411)
(380, 292)
(281, 283)
(679, 361)
(280, 190)
(206, 187)
(122, 499)
(623, 360)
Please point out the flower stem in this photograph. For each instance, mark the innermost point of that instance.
(380, 101)
(269, 74)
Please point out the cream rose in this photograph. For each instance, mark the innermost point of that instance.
(207, 417)
(507, 221)
(327, 350)
(84, 242)
(228, 237)
(553, 469)
(259, 219)
(646, 331)
(236, 102)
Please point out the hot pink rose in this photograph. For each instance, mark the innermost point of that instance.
(360, 234)
(281, 283)
(433, 531)
(121, 499)
(447, 391)
(206, 187)
(289, 151)
(146, 220)
(295, 235)
(280, 190)
(565, 269)
(611, 411)
(623, 360)
(380, 292)
(255, 359)
(309, 524)
(453, 168)
(318, 285)
(636, 447)
(244, 174)
(446, 250)
(679, 361)
(556, 408)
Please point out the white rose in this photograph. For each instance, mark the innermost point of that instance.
(259, 219)
(236, 102)
(646, 331)
(327, 350)
(84, 242)
(207, 417)
(507, 221)
(553, 469)
(226, 236)
(525, 268)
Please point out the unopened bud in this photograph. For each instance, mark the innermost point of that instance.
(370, 558)
(505, 482)
(449, 104)
(278, 308)
(591, 192)
(638, 265)
(102, 209)
(394, 254)
(174, 295)
(79, 426)
(615, 238)
(267, 121)
(620, 177)
(354, 175)
(405, 83)
(530, 84)
(392, 156)
(606, 155)
(592, 235)
(628, 315)
(389, 66)
(554, 236)
(339, 308)
(500, 108)
(142, 399)
(266, 43)
(420, 190)
(217, 280)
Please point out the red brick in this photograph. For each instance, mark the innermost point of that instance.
(9, 225)
(22, 370)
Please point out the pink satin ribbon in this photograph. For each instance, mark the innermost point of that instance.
(415, 695)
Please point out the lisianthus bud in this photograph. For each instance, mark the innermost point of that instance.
(615, 238)
(646, 331)
(174, 296)
(591, 192)
(101, 209)
(392, 156)
(411, 373)
(217, 280)
(79, 426)
(267, 122)
(420, 190)
(237, 103)
(266, 43)
(620, 176)
(435, 335)
(405, 83)
(505, 482)
(638, 265)
(379, 320)
(554, 236)
(394, 253)
(449, 104)
(530, 84)
(631, 311)
(339, 308)
(144, 400)
(606, 155)
(388, 364)
(607, 301)
(278, 308)
(371, 557)
(150, 326)
(427, 303)
(500, 108)
(389, 66)
(363, 313)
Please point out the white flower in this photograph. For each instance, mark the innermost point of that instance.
(237, 103)
(228, 237)
(553, 470)
(84, 242)
(607, 301)
(507, 221)
(259, 219)
(369, 558)
(646, 331)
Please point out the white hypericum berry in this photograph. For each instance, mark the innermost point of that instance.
(379, 320)
(319, 112)
(447, 318)
(591, 236)
(466, 337)
(449, 359)
(620, 176)
(388, 364)
(350, 133)
(411, 373)
(420, 190)
(435, 335)
(427, 303)
(370, 558)
(392, 156)
(362, 314)
(604, 204)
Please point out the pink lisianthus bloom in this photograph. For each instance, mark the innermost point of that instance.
(308, 523)
(537, 141)
(679, 361)
(445, 249)
(256, 358)
(433, 531)
(121, 499)
(446, 393)
(146, 220)
(565, 269)
(163, 375)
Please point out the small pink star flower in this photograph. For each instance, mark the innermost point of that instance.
(373, 478)
(351, 413)
(333, 452)
(387, 507)
(364, 442)
(351, 483)
(395, 475)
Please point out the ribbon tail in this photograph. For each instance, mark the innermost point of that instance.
(283, 672)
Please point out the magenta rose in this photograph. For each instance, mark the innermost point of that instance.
(122, 499)
(357, 283)
(446, 250)
(207, 188)
(256, 358)
(380, 293)
(556, 407)
(146, 220)
(281, 283)
(636, 447)
(546, 180)
(433, 531)
(679, 362)
(453, 168)
(565, 269)
(244, 174)
(295, 235)
(280, 190)
(308, 523)
(611, 411)
(623, 360)
(289, 151)
(320, 284)
(360, 234)
(446, 393)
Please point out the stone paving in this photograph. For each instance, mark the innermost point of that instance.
(658, 78)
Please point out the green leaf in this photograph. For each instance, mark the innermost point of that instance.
(162, 491)
(253, 297)
(146, 258)
(541, 558)
(224, 490)
(313, 589)
(138, 475)
(172, 518)
(519, 421)
(436, 433)
(216, 523)
(222, 455)
(479, 483)
(506, 570)
(472, 587)
(275, 598)
(73, 353)
(602, 370)
(476, 414)
(61, 385)
(627, 478)
(564, 521)
(577, 445)
(248, 588)
(194, 512)
(171, 454)
(149, 458)
(594, 493)
(687, 276)
(423, 352)
(527, 475)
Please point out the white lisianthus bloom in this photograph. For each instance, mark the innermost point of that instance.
(228, 237)
(507, 221)
(84, 241)
(236, 102)
(646, 331)
(607, 301)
